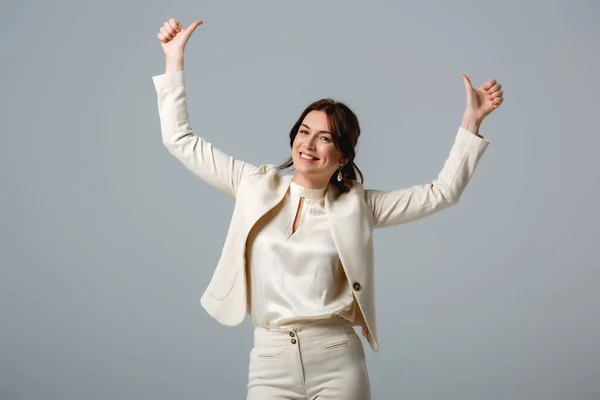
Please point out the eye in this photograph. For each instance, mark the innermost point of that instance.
(327, 139)
(304, 131)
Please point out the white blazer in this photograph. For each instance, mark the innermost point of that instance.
(257, 189)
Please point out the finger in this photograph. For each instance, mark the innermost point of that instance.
(174, 24)
(494, 88)
(497, 102)
(486, 86)
(162, 38)
(467, 82)
(194, 25)
(169, 29)
(499, 93)
(165, 33)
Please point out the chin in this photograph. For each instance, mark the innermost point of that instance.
(307, 171)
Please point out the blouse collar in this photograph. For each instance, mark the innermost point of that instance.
(307, 193)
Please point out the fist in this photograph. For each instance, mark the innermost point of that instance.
(482, 101)
(173, 36)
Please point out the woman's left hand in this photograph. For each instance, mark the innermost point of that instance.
(482, 101)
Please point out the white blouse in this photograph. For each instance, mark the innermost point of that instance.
(295, 278)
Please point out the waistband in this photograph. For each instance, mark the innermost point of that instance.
(304, 333)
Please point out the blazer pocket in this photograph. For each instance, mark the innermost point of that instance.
(222, 281)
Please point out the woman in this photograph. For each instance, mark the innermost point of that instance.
(298, 256)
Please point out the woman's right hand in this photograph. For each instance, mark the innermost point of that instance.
(173, 36)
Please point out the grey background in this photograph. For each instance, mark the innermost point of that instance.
(107, 242)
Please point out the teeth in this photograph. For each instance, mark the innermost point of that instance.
(307, 157)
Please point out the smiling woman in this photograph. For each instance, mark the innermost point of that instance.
(323, 142)
(298, 256)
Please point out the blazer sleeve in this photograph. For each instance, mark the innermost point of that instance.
(216, 168)
(395, 207)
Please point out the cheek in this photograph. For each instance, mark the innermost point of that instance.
(332, 155)
(296, 144)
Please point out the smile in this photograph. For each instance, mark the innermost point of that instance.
(307, 157)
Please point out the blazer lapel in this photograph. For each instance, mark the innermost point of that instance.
(266, 195)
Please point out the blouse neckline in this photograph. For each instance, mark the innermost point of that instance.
(307, 193)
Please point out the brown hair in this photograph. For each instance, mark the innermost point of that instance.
(345, 131)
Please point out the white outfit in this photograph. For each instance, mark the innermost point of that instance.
(296, 277)
(302, 307)
(353, 216)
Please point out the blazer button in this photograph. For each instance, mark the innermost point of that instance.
(292, 334)
(293, 341)
(356, 286)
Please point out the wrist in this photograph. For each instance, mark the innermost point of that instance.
(173, 62)
(471, 124)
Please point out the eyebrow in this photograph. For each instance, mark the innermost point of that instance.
(317, 132)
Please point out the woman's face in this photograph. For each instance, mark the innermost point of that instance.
(314, 154)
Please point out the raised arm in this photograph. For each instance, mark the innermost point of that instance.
(399, 206)
(207, 162)
(395, 207)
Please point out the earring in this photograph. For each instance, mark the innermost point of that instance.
(339, 175)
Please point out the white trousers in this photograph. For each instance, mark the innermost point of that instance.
(323, 360)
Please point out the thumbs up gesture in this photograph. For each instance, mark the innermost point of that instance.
(173, 36)
(483, 100)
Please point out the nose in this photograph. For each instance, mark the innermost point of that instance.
(310, 143)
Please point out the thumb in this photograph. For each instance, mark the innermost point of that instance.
(194, 25)
(467, 81)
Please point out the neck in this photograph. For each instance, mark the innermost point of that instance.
(308, 182)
